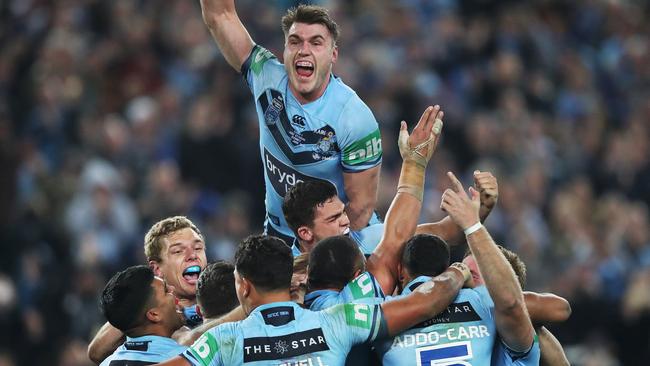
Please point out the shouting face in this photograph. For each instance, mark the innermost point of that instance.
(183, 258)
(309, 53)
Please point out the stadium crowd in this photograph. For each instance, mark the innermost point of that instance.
(116, 114)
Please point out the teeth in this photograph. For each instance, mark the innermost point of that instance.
(346, 231)
(304, 64)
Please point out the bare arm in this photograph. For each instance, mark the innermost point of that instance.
(429, 299)
(546, 308)
(402, 216)
(361, 190)
(550, 348)
(105, 342)
(190, 337)
(228, 31)
(511, 317)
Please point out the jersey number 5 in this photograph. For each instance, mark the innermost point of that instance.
(450, 354)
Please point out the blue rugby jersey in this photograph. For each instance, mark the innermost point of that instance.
(504, 356)
(320, 140)
(145, 350)
(285, 334)
(364, 289)
(464, 334)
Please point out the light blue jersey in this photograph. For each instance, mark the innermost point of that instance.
(285, 334)
(364, 289)
(504, 356)
(320, 140)
(464, 334)
(146, 350)
(367, 238)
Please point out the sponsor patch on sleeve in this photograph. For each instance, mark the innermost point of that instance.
(259, 58)
(364, 150)
(358, 315)
(205, 349)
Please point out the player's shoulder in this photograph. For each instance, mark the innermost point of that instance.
(346, 98)
(260, 62)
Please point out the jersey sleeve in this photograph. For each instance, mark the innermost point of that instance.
(261, 69)
(363, 287)
(352, 324)
(359, 140)
(483, 302)
(205, 351)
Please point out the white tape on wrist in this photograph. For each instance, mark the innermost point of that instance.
(472, 229)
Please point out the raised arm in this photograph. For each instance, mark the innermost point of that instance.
(487, 185)
(402, 216)
(227, 30)
(546, 308)
(105, 342)
(551, 352)
(510, 313)
(426, 301)
(361, 190)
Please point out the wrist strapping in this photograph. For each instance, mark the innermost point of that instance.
(472, 229)
(411, 179)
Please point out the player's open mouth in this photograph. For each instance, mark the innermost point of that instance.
(304, 68)
(191, 274)
(346, 231)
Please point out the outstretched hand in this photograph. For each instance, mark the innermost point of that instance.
(461, 208)
(423, 140)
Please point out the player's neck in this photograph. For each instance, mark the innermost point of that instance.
(306, 98)
(150, 330)
(270, 297)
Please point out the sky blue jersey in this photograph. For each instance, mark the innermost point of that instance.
(504, 356)
(298, 142)
(464, 334)
(146, 350)
(364, 289)
(284, 334)
(367, 238)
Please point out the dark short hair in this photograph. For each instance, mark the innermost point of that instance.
(125, 297)
(332, 263)
(425, 255)
(518, 266)
(266, 261)
(310, 14)
(215, 289)
(300, 202)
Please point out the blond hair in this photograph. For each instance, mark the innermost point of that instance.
(153, 240)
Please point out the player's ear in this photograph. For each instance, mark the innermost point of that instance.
(154, 315)
(305, 233)
(155, 267)
(335, 53)
(400, 272)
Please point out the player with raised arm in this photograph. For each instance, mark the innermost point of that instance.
(510, 314)
(312, 126)
(144, 308)
(175, 250)
(279, 331)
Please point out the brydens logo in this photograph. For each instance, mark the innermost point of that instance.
(281, 176)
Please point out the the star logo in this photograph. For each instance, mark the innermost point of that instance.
(281, 347)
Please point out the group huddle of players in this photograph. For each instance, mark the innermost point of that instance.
(328, 283)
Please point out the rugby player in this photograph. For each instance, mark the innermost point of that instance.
(279, 331)
(143, 307)
(175, 250)
(312, 126)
